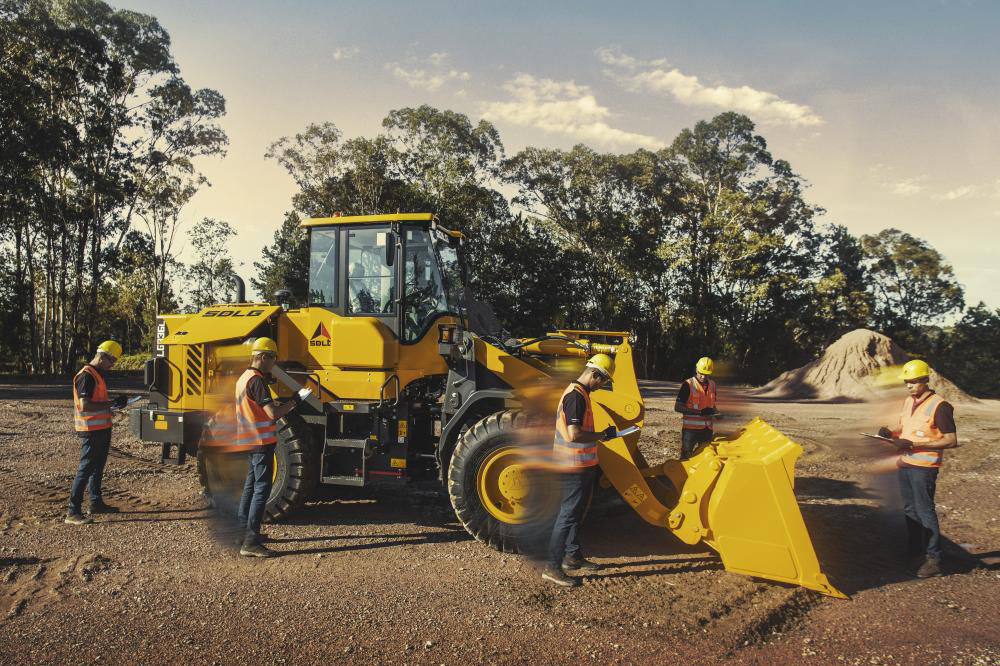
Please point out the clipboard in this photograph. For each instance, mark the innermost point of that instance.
(878, 437)
(627, 431)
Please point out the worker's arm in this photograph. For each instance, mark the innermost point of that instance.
(684, 409)
(96, 405)
(949, 440)
(276, 412)
(581, 436)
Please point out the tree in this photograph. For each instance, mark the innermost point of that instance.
(911, 283)
(285, 263)
(967, 353)
(96, 122)
(210, 277)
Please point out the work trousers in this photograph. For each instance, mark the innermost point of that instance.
(256, 490)
(917, 485)
(576, 489)
(691, 438)
(94, 447)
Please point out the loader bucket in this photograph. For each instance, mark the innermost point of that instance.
(751, 513)
(736, 494)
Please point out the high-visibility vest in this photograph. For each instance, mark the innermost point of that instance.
(699, 398)
(916, 423)
(570, 454)
(253, 426)
(98, 419)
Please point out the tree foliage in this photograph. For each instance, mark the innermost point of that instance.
(97, 131)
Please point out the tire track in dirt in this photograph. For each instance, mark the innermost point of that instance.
(33, 581)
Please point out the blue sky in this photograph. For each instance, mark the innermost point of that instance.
(888, 109)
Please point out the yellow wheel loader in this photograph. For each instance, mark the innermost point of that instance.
(409, 383)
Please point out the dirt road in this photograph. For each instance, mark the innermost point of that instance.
(389, 577)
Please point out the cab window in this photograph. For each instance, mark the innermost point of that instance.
(323, 272)
(370, 283)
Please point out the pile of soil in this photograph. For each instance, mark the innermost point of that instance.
(855, 367)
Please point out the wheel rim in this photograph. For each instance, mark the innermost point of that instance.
(502, 484)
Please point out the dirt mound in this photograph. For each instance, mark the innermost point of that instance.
(855, 367)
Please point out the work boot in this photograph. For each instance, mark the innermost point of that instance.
(580, 563)
(100, 507)
(559, 577)
(930, 567)
(255, 550)
(77, 518)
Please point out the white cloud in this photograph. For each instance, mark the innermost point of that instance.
(345, 52)
(996, 190)
(957, 193)
(653, 76)
(430, 75)
(616, 57)
(906, 187)
(562, 107)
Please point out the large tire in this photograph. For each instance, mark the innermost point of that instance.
(296, 469)
(486, 441)
(296, 472)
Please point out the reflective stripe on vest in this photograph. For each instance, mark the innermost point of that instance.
(917, 425)
(699, 398)
(98, 419)
(570, 454)
(253, 426)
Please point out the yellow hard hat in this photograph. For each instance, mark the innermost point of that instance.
(704, 366)
(603, 363)
(261, 345)
(111, 348)
(916, 369)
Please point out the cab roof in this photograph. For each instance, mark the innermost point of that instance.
(367, 219)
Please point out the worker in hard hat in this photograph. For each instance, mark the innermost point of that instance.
(575, 452)
(257, 433)
(92, 420)
(926, 427)
(696, 401)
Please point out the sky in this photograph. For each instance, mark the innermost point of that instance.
(888, 109)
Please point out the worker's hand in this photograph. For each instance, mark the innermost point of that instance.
(708, 411)
(608, 433)
(902, 444)
(303, 394)
(885, 432)
(120, 401)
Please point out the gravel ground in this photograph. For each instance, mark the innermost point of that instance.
(386, 576)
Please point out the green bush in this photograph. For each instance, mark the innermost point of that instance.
(132, 361)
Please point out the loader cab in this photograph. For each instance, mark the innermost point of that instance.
(402, 269)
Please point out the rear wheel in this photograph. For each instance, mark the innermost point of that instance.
(296, 472)
(498, 498)
(296, 469)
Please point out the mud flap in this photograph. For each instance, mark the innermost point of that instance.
(750, 512)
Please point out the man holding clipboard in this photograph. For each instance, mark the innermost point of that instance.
(926, 427)
(575, 452)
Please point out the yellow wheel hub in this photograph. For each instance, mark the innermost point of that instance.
(502, 485)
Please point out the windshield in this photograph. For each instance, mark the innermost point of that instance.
(433, 280)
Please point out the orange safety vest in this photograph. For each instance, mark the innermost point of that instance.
(916, 423)
(570, 454)
(253, 426)
(99, 419)
(699, 398)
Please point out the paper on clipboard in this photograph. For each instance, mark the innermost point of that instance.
(627, 431)
(878, 437)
